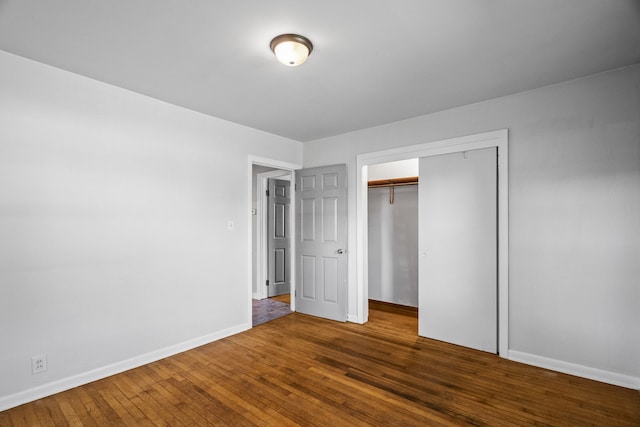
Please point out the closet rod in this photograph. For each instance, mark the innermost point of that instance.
(395, 182)
(391, 185)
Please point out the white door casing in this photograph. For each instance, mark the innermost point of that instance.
(458, 248)
(321, 238)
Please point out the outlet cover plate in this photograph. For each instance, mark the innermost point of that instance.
(38, 364)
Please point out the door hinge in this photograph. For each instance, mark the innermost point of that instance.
(267, 193)
(267, 282)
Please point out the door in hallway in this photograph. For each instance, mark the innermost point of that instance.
(278, 243)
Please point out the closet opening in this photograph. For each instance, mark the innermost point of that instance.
(393, 239)
(453, 173)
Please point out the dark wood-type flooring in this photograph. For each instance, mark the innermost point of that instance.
(300, 370)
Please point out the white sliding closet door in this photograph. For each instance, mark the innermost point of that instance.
(458, 282)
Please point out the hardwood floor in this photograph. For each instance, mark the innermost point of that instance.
(300, 370)
(285, 298)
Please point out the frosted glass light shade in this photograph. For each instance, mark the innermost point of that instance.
(291, 49)
(291, 53)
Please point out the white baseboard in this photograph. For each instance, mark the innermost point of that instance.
(58, 386)
(577, 370)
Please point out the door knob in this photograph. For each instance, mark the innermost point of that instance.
(340, 251)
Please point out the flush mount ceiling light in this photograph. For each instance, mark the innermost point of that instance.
(291, 49)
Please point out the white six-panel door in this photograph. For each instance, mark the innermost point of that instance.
(458, 249)
(321, 238)
(278, 242)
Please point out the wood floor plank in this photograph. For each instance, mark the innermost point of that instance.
(135, 415)
(184, 404)
(98, 407)
(239, 410)
(70, 415)
(49, 411)
(72, 398)
(5, 419)
(301, 370)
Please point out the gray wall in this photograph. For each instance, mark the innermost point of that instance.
(574, 211)
(114, 247)
(393, 245)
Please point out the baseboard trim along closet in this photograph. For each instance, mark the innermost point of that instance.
(608, 377)
(58, 386)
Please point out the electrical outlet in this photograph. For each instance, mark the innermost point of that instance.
(230, 225)
(38, 364)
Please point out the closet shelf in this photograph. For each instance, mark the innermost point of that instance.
(395, 182)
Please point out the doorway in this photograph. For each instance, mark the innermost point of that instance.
(496, 139)
(319, 219)
(393, 234)
(260, 306)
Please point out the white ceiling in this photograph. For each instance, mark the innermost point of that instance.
(374, 61)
